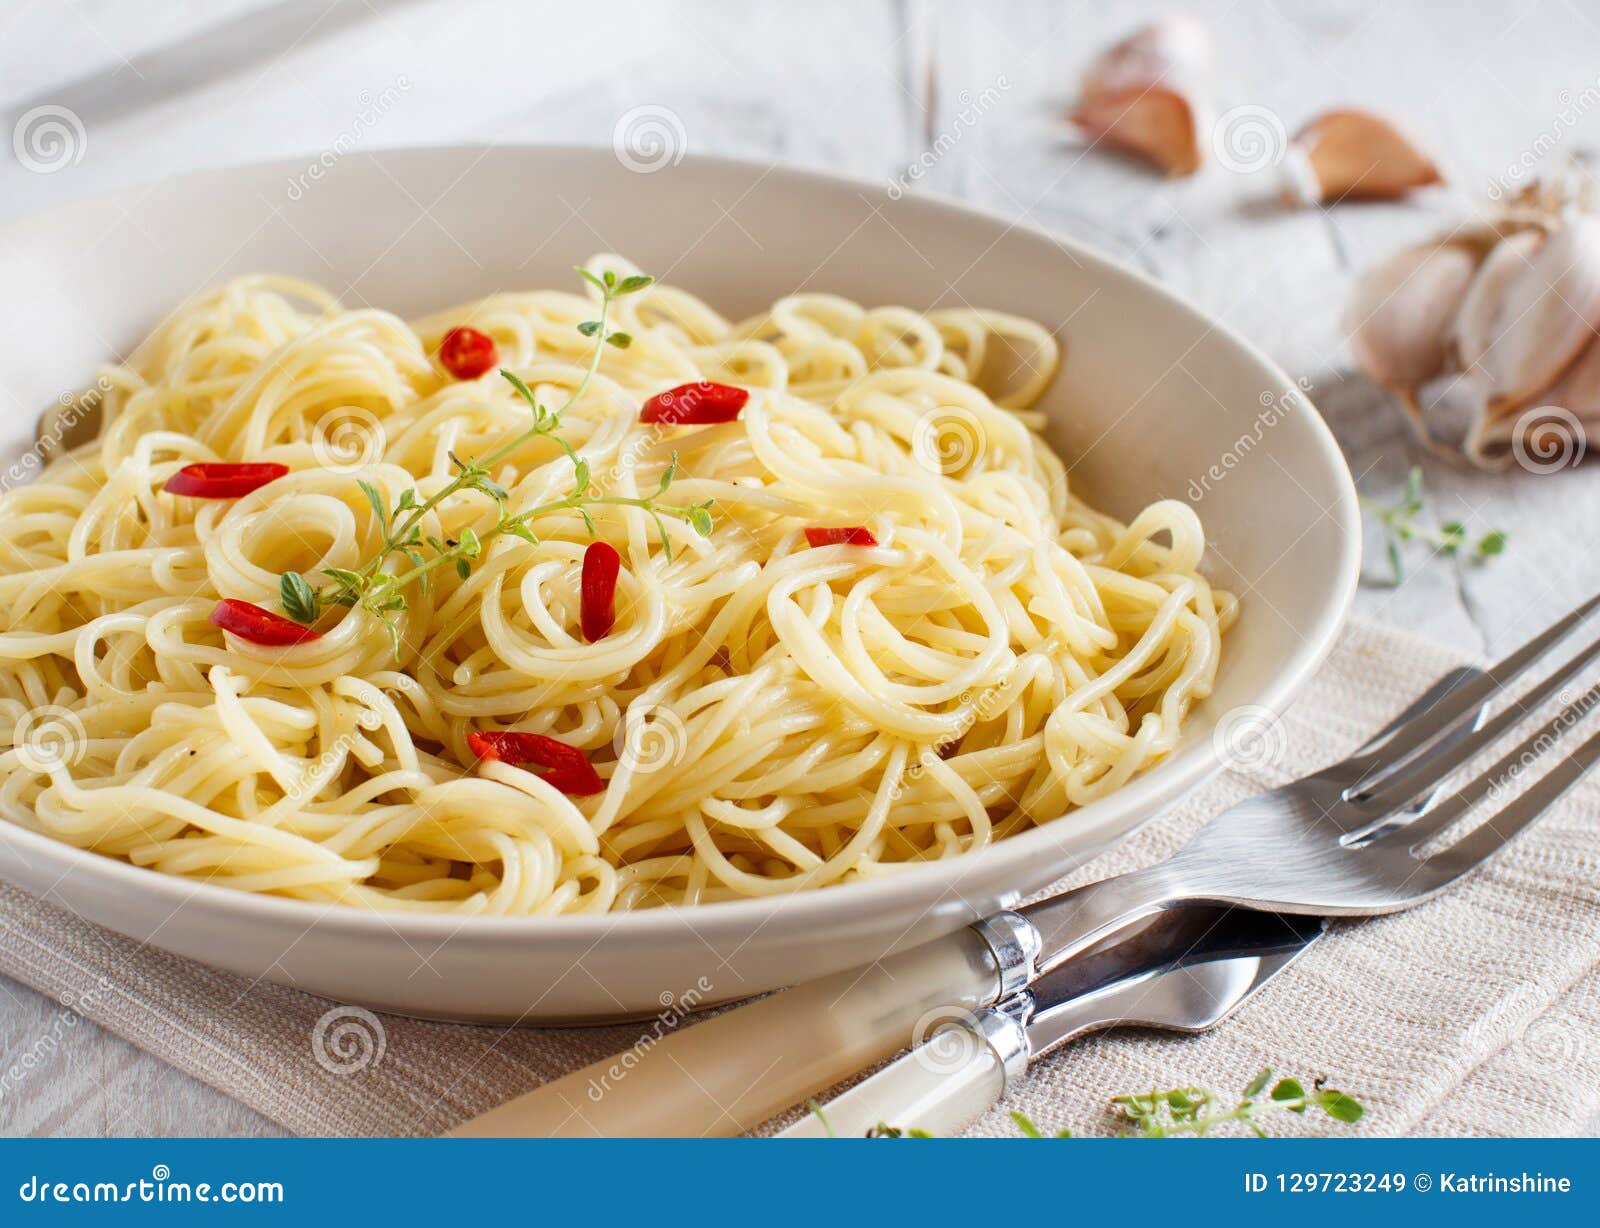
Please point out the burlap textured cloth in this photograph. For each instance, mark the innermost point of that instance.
(1478, 1013)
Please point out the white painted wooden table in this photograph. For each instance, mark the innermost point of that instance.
(861, 89)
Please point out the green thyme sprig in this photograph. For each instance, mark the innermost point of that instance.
(1196, 1111)
(1180, 1111)
(382, 591)
(1400, 525)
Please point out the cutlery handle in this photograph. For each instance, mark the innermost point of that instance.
(746, 1065)
(938, 1087)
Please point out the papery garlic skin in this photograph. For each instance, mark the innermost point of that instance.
(1349, 154)
(1142, 95)
(1548, 312)
(1401, 314)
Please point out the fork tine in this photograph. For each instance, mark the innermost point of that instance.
(1497, 831)
(1506, 769)
(1397, 750)
(1396, 788)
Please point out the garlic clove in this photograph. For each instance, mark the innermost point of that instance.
(1176, 45)
(1547, 432)
(1140, 94)
(1154, 123)
(1400, 314)
(1481, 304)
(1354, 155)
(1578, 389)
(1547, 313)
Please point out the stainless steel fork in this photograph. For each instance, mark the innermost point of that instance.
(1354, 838)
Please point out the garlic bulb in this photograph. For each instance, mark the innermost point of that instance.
(1504, 314)
(1354, 155)
(1142, 95)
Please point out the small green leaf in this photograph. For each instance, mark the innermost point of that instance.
(580, 478)
(1025, 1125)
(298, 598)
(1492, 543)
(1393, 548)
(1340, 1107)
(589, 327)
(1288, 1089)
(463, 568)
(621, 340)
(670, 473)
(519, 528)
(375, 497)
(591, 278)
(1257, 1083)
(610, 279)
(526, 393)
(491, 488)
(634, 282)
(351, 580)
(470, 545)
(407, 500)
(700, 520)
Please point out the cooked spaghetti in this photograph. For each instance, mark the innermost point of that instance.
(855, 620)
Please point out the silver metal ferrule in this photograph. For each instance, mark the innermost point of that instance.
(1015, 944)
(1004, 1028)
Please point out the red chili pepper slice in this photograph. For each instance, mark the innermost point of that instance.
(598, 591)
(565, 767)
(258, 626)
(695, 404)
(849, 535)
(209, 480)
(466, 353)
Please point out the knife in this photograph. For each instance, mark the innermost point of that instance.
(1186, 971)
(743, 1067)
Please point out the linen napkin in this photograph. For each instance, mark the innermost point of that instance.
(1477, 1013)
